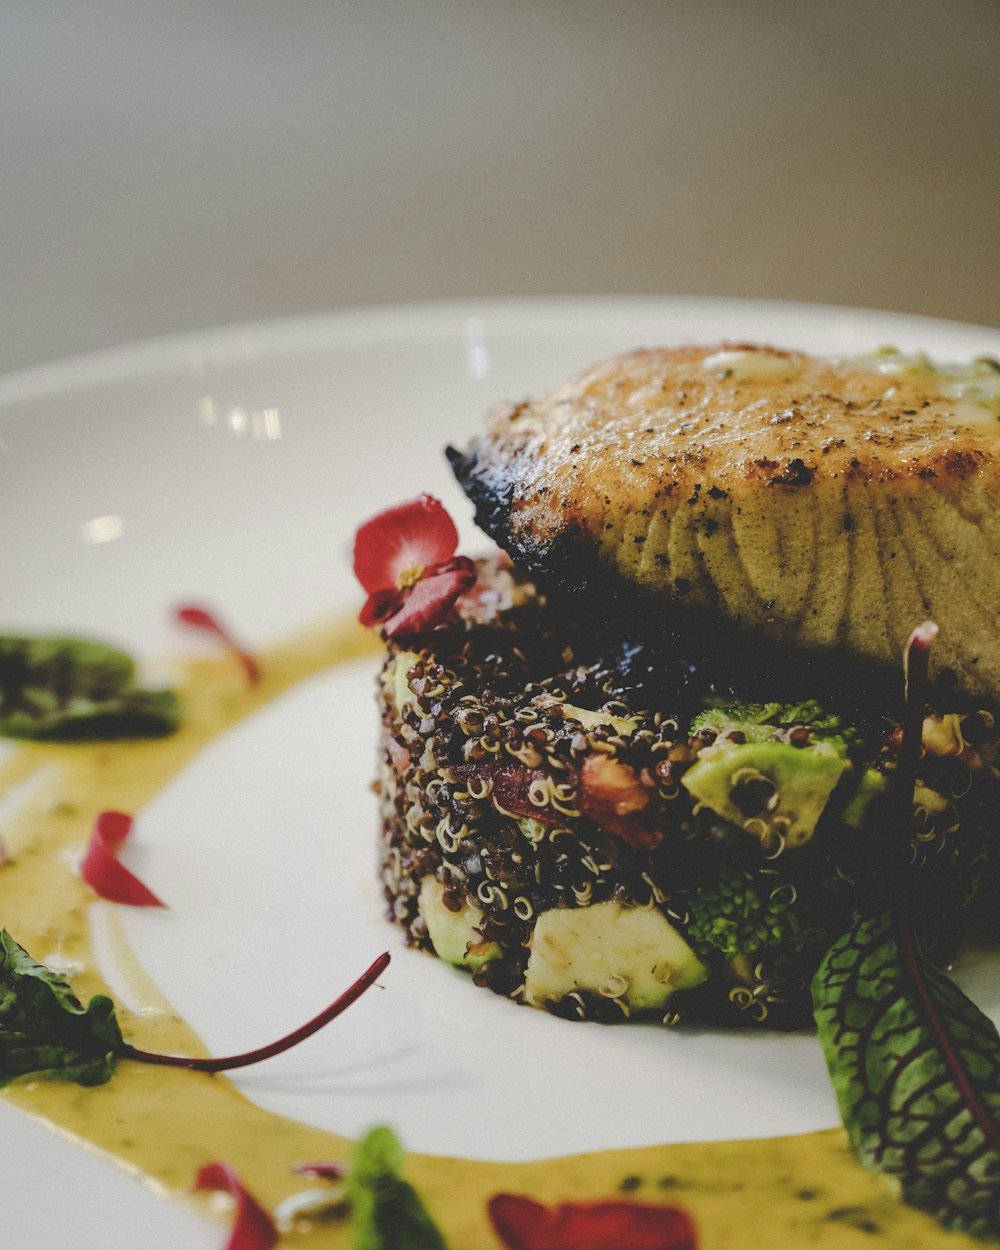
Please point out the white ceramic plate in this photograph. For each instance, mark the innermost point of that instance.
(233, 467)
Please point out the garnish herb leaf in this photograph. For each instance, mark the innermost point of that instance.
(916, 1069)
(914, 1063)
(45, 1031)
(70, 689)
(386, 1211)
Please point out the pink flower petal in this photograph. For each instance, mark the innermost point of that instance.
(253, 1228)
(104, 872)
(409, 536)
(201, 618)
(523, 1224)
(429, 602)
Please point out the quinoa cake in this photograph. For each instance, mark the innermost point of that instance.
(604, 829)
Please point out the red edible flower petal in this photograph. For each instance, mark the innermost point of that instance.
(405, 558)
(201, 618)
(400, 541)
(428, 602)
(253, 1228)
(104, 872)
(523, 1224)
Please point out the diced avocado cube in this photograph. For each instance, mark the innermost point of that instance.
(394, 678)
(630, 953)
(533, 830)
(767, 788)
(930, 800)
(870, 787)
(453, 932)
(623, 725)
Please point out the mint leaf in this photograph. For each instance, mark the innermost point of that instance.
(66, 689)
(45, 1031)
(916, 1069)
(386, 1211)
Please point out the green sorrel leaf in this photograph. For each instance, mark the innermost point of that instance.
(386, 1211)
(45, 1031)
(67, 689)
(916, 1070)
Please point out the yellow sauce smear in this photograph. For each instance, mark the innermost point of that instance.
(163, 1124)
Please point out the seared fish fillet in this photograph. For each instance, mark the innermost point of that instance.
(823, 504)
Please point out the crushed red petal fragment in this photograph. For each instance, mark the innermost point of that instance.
(253, 1228)
(201, 618)
(510, 787)
(399, 756)
(613, 796)
(610, 793)
(104, 872)
(524, 1224)
(404, 557)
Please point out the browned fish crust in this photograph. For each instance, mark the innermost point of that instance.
(827, 505)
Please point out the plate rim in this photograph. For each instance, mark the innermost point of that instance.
(438, 318)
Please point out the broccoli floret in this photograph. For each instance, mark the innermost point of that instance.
(742, 914)
(768, 939)
(759, 722)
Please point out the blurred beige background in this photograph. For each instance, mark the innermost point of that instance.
(174, 165)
